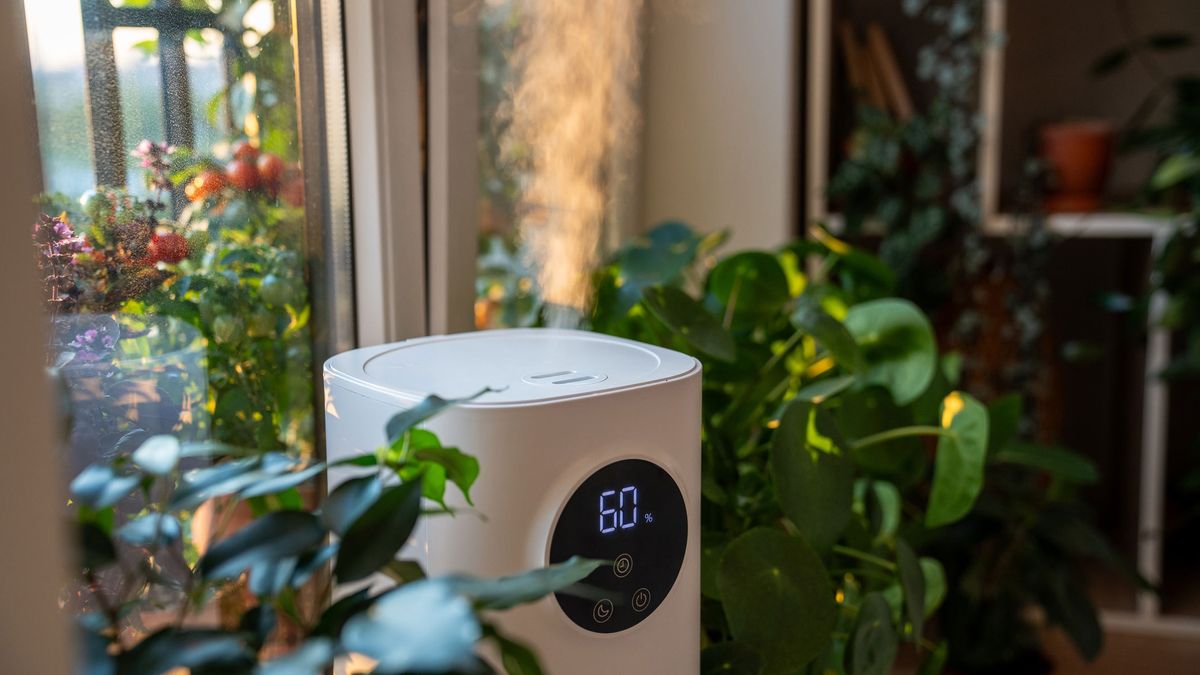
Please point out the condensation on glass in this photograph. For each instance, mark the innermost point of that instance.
(172, 239)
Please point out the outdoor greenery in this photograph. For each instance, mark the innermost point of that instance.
(130, 515)
(229, 266)
(844, 492)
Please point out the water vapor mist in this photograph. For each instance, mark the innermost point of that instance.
(573, 104)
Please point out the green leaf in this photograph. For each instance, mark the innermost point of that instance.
(1174, 170)
(1068, 605)
(227, 478)
(269, 577)
(1060, 462)
(425, 626)
(308, 563)
(382, 530)
(912, 580)
(462, 469)
(273, 537)
(887, 496)
(158, 455)
(777, 598)
(873, 647)
(519, 589)
(936, 661)
(821, 390)
(404, 571)
(658, 257)
(815, 488)
(829, 332)
(427, 408)
(310, 658)
(712, 547)
(958, 469)
(150, 528)
(935, 584)
(1004, 419)
(730, 658)
(753, 283)
(258, 622)
(194, 648)
(897, 344)
(336, 615)
(348, 501)
(690, 320)
(98, 487)
(517, 658)
(95, 546)
(282, 482)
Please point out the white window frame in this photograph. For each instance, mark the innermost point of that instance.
(414, 243)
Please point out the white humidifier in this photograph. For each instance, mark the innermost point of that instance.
(589, 446)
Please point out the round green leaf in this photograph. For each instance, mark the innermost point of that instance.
(752, 282)
(777, 598)
(815, 488)
(730, 658)
(958, 469)
(687, 317)
(873, 647)
(897, 343)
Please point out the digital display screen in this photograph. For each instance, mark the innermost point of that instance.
(632, 513)
(618, 509)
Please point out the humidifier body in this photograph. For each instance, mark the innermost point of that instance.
(589, 445)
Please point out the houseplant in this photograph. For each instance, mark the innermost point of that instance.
(153, 621)
(839, 461)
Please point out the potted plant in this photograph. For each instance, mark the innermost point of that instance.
(156, 620)
(840, 463)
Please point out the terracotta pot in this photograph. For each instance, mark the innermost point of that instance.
(1079, 153)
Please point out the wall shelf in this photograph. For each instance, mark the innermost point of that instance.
(997, 98)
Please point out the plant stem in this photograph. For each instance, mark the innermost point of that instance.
(902, 432)
(865, 557)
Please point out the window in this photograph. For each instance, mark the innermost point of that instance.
(183, 260)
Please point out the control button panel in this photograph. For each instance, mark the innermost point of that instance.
(632, 513)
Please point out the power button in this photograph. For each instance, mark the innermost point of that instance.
(641, 599)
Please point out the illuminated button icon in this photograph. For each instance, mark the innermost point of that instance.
(623, 565)
(603, 611)
(641, 599)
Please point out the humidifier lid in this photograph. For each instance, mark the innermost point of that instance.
(527, 365)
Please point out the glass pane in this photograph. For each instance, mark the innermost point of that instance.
(56, 54)
(173, 272)
(136, 51)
